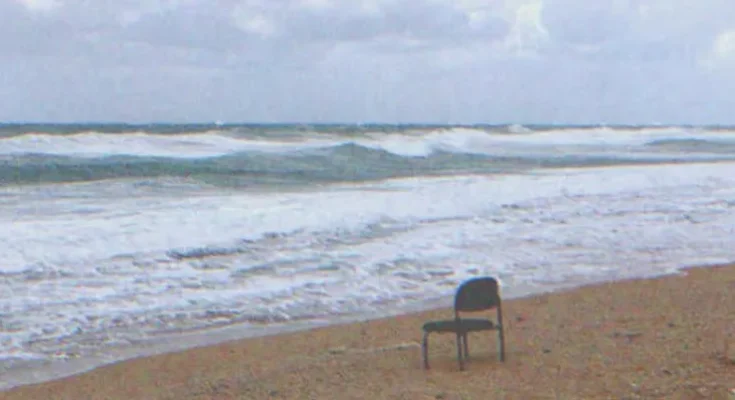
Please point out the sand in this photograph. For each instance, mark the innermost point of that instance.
(661, 338)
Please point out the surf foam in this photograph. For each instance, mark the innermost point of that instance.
(75, 280)
(410, 144)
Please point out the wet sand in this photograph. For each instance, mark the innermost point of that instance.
(662, 338)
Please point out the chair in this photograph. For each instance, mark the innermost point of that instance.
(478, 294)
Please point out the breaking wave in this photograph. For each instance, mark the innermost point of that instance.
(241, 157)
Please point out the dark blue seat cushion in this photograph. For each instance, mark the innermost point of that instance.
(464, 325)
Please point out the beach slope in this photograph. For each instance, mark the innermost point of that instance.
(660, 338)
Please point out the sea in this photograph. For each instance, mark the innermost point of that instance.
(124, 240)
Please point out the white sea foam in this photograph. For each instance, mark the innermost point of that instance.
(134, 225)
(87, 270)
(418, 144)
(564, 141)
(194, 145)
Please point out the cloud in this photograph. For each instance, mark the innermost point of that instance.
(588, 22)
(724, 46)
(722, 53)
(383, 24)
(40, 5)
(380, 60)
(528, 34)
(189, 26)
(625, 30)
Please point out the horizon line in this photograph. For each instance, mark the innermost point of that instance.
(336, 123)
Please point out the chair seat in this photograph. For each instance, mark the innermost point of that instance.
(463, 325)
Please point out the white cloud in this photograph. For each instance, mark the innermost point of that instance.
(317, 4)
(721, 55)
(587, 22)
(528, 33)
(40, 5)
(473, 60)
(724, 46)
(254, 23)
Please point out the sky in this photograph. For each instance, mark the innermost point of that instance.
(361, 61)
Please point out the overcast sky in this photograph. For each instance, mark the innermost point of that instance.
(437, 61)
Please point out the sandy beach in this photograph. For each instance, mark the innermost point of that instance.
(662, 338)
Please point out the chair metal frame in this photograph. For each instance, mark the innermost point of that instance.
(477, 294)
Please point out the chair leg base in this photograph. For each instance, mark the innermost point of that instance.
(460, 356)
(501, 344)
(463, 353)
(425, 350)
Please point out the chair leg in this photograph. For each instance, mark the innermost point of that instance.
(501, 344)
(460, 359)
(425, 350)
(466, 347)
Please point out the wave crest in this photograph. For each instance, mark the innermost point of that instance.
(236, 159)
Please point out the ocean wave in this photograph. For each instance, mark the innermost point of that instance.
(410, 142)
(145, 144)
(695, 145)
(345, 163)
(236, 158)
(342, 163)
(193, 145)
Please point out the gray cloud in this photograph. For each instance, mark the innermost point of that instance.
(586, 22)
(191, 27)
(630, 30)
(377, 60)
(431, 22)
(22, 32)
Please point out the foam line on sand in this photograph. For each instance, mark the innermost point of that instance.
(661, 338)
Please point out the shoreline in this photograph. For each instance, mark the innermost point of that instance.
(322, 340)
(50, 370)
(653, 257)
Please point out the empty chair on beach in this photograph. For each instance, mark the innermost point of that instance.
(478, 294)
